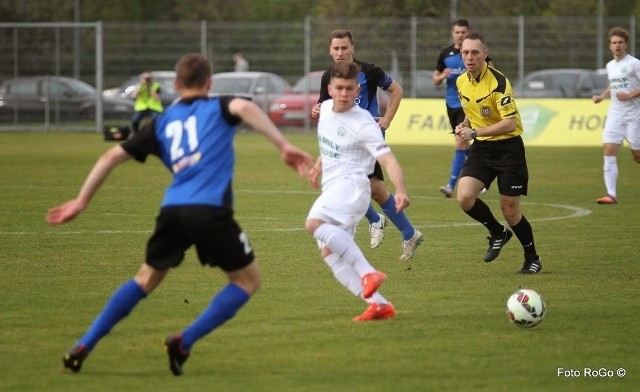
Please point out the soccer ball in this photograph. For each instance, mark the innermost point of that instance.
(526, 308)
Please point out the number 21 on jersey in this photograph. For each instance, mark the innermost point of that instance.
(175, 131)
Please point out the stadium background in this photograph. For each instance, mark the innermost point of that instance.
(104, 54)
(451, 333)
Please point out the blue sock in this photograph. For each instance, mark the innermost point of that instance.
(456, 166)
(223, 307)
(372, 215)
(398, 219)
(123, 300)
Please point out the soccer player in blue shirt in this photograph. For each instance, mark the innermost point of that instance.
(194, 140)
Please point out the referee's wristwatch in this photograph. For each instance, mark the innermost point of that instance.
(473, 133)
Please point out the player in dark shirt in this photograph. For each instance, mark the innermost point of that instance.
(194, 140)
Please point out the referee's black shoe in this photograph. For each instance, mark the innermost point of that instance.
(532, 266)
(496, 242)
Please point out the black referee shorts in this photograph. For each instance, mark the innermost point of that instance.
(501, 159)
(219, 240)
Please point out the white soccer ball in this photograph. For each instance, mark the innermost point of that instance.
(526, 308)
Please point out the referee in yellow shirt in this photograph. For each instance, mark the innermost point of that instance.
(492, 120)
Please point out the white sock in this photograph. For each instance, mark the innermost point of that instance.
(343, 245)
(377, 298)
(349, 278)
(611, 174)
(345, 274)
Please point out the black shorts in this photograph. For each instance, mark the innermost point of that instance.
(377, 172)
(502, 159)
(218, 238)
(377, 169)
(456, 116)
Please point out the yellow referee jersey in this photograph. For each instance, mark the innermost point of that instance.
(487, 100)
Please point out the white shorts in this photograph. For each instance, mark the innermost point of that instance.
(343, 203)
(617, 130)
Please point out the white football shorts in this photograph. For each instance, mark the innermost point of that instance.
(343, 203)
(617, 130)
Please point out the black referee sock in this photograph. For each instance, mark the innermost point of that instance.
(524, 232)
(482, 213)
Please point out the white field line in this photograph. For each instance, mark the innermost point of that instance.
(572, 213)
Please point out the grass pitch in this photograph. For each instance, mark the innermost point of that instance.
(450, 333)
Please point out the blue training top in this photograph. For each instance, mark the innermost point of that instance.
(370, 78)
(194, 140)
(450, 58)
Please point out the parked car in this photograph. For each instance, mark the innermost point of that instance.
(261, 87)
(424, 87)
(290, 109)
(561, 83)
(165, 78)
(30, 98)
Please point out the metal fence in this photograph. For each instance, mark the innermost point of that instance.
(107, 54)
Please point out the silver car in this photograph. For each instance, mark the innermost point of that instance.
(56, 98)
(261, 87)
(561, 83)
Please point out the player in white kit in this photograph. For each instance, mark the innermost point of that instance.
(350, 143)
(623, 118)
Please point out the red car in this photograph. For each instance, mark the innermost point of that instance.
(289, 110)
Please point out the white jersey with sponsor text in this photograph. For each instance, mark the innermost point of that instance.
(624, 76)
(349, 143)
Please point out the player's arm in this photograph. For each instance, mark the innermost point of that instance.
(392, 107)
(251, 114)
(505, 105)
(631, 94)
(72, 208)
(315, 110)
(625, 96)
(324, 95)
(314, 174)
(605, 94)
(441, 73)
(393, 169)
(440, 76)
(502, 127)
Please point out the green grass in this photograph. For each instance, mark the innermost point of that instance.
(451, 331)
